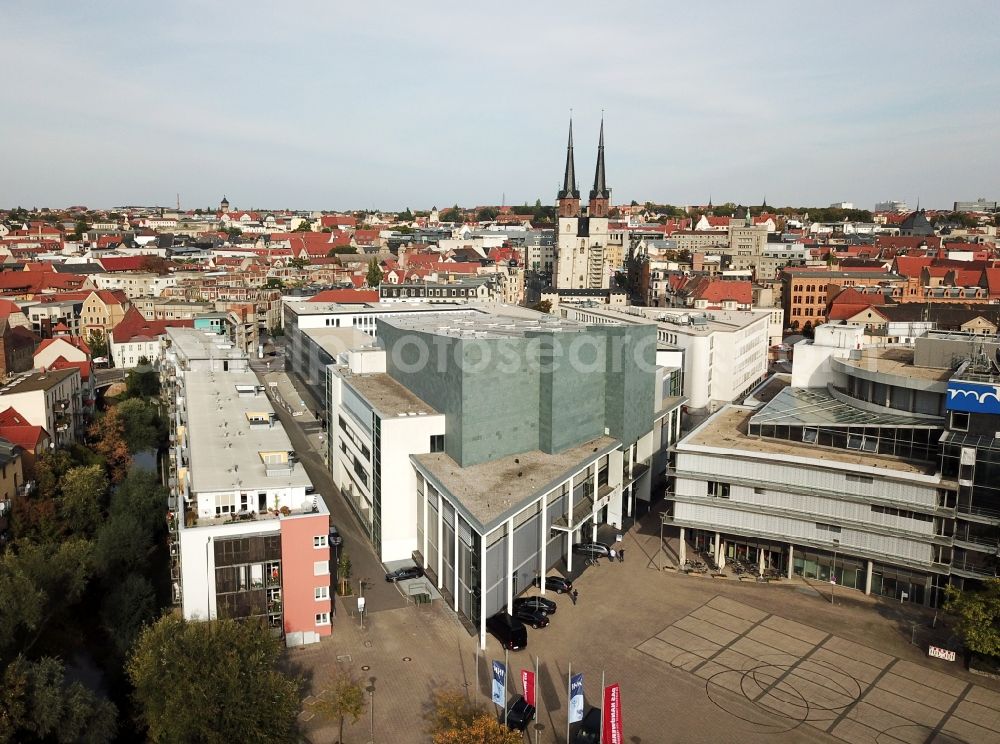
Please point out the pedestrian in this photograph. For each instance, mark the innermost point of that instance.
(611, 555)
(574, 595)
(621, 555)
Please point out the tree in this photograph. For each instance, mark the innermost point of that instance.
(299, 262)
(344, 572)
(84, 496)
(81, 228)
(142, 496)
(978, 614)
(345, 700)
(454, 719)
(154, 264)
(141, 424)
(486, 214)
(98, 343)
(274, 282)
(126, 607)
(406, 216)
(37, 703)
(122, 545)
(108, 433)
(542, 306)
(142, 383)
(212, 682)
(374, 276)
(340, 249)
(454, 214)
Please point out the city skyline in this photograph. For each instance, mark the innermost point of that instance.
(327, 108)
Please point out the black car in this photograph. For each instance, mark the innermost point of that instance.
(555, 583)
(535, 618)
(540, 604)
(519, 714)
(335, 539)
(593, 549)
(590, 729)
(407, 572)
(508, 630)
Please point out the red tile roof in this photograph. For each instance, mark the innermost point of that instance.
(15, 428)
(76, 341)
(134, 327)
(64, 363)
(718, 291)
(121, 263)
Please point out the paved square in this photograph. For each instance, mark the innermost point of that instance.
(785, 674)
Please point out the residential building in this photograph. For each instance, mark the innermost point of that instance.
(33, 440)
(46, 316)
(807, 291)
(102, 311)
(475, 289)
(136, 338)
(136, 284)
(70, 348)
(582, 234)
(12, 483)
(248, 535)
(51, 399)
(747, 243)
(874, 468)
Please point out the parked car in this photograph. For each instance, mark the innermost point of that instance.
(590, 729)
(536, 603)
(593, 549)
(407, 572)
(535, 618)
(555, 583)
(508, 630)
(519, 714)
(335, 539)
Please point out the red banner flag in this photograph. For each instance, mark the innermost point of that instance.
(528, 685)
(612, 715)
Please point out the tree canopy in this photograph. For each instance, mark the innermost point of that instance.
(142, 427)
(212, 682)
(454, 719)
(978, 615)
(374, 275)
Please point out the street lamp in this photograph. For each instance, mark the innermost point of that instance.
(833, 576)
(371, 706)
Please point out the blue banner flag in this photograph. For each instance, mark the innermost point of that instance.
(576, 698)
(499, 683)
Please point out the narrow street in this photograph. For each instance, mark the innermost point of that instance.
(303, 430)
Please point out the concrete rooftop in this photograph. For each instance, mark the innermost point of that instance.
(387, 396)
(191, 343)
(491, 491)
(224, 449)
(897, 361)
(486, 325)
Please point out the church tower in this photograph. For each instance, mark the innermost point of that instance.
(582, 234)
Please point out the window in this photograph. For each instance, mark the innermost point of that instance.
(319, 541)
(322, 618)
(437, 443)
(828, 528)
(322, 592)
(852, 478)
(321, 568)
(718, 490)
(959, 421)
(809, 436)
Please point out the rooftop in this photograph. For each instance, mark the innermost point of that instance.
(727, 429)
(682, 320)
(387, 396)
(485, 325)
(225, 450)
(191, 343)
(491, 491)
(896, 361)
(816, 407)
(337, 340)
(34, 381)
(306, 307)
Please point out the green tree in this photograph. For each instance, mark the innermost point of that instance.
(123, 544)
(98, 344)
(81, 228)
(542, 306)
(406, 216)
(212, 682)
(142, 496)
(274, 282)
(344, 570)
(374, 276)
(304, 226)
(454, 214)
(345, 699)
(142, 427)
(38, 704)
(142, 382)
(84, 496)
(978, 616)
(487, 214)
(126, 607)
(36, 582)
(340, 250)
(299, 262)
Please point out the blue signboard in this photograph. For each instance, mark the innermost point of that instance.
(974, 397)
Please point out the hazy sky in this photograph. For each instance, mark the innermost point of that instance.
(325, 105)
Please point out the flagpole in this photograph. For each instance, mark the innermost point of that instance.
(601, 735)
(506, 673)
(534, 696)
(569, 698)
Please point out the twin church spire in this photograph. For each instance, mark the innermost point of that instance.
(569, 194)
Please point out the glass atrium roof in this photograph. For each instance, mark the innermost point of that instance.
(816, 407)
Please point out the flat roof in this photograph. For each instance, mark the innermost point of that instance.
(485, 325)
(38, 381)
(224, 449)
(388, 397)
(195, 343)
(689, 321)
(303, 307)
(494, 490)
(897, 361)
(336, 340)
(727, 429)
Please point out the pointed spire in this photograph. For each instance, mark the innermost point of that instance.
(569, 190)
(600, 190)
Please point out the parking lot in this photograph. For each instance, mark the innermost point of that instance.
(698, 660)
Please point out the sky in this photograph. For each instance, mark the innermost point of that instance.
(387, 105)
